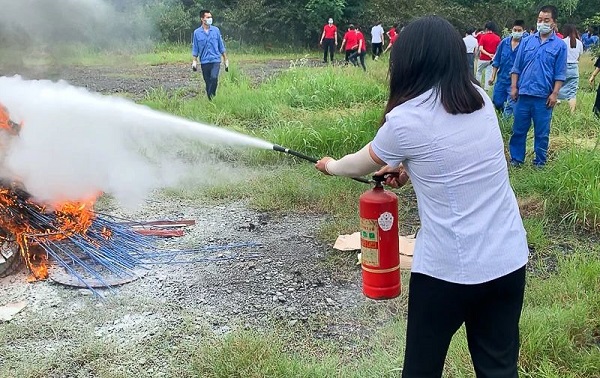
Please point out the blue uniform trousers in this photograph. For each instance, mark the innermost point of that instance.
(529, 108)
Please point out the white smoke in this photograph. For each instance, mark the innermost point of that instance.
(74, 143)
(47, 24)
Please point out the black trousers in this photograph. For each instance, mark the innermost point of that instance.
(355, 55)
(490, 311)
(377, 49)
(210, 73)
(597, 103)
(328, 46)
(471, 61)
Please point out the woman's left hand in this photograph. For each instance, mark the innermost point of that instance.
(322, 163)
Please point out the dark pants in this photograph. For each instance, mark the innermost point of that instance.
(356, 55)
(377, 49)
(526, 109)
(471, 60)
(328, 45)
(597, 103)
(348, 53)
(210, 73)
(490, 312)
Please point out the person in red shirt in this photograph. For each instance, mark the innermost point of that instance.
(393, 39)
(329, 40)
(361, 50)
(488, 43)
(349, 42)
(392, 32)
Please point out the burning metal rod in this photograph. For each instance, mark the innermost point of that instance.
(312, 160)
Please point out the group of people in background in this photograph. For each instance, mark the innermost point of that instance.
(354, 43)
(530, 71)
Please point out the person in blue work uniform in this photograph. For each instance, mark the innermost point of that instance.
(538, 73)
(207, 49)
(502, 64)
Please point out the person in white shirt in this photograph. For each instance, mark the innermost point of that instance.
(441, 130)
(377, 38)
(471, 45)
(575, 49)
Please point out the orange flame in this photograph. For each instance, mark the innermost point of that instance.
(70, 218)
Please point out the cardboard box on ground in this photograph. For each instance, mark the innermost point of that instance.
(352, 243)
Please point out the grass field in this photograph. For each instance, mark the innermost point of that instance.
(334, 111)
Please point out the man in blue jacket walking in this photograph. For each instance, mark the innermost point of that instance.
(207, 49)
(502, 64)
(538, 74)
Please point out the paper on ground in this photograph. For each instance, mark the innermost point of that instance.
(7, 312)
(352, 243)
(348, 242)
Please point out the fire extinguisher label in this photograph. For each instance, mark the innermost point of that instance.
(369, 242)
(386, 221)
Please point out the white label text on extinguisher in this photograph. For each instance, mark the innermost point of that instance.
(369, 242)
(386, 221)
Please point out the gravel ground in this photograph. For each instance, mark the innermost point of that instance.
(291, 279)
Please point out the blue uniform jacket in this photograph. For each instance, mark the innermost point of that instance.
(504, 59)
(539, 65)
(208, 47)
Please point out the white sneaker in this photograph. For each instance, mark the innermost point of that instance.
(376, 58)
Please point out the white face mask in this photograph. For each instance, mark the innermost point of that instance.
(208, 21)
(330, 21)
(517, 35)
(544, 28)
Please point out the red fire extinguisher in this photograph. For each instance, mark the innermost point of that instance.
(380, 257)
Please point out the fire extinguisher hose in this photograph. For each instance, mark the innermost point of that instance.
(312, 160)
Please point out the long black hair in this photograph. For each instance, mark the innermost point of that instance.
(430, 53)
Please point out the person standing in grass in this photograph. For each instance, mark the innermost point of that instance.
(349, 42)
(440, 129)
(596, 108)
(589, 38)
(471, 44)
(393, 31)
(207, 49)
(574, 51)
(329, 40)
(488, 43)
(538, 74)
(361, 50)
(504, 59)
(377, 39)
(392, 40)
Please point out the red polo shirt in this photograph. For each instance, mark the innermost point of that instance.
(394, 38)
(489, 42)
(351, 40)
(361, 37)
(392, 33)
(330, 31)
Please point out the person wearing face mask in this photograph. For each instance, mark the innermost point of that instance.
(575, 49)
(329, 40)
(503, 62)
(207, 49)
(538, 74)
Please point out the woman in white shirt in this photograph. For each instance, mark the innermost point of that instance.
(575, 49)
(440, 129)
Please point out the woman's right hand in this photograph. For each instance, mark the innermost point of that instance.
(395, 177)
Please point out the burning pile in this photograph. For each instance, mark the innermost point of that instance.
(70, 233)
(88, 245)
